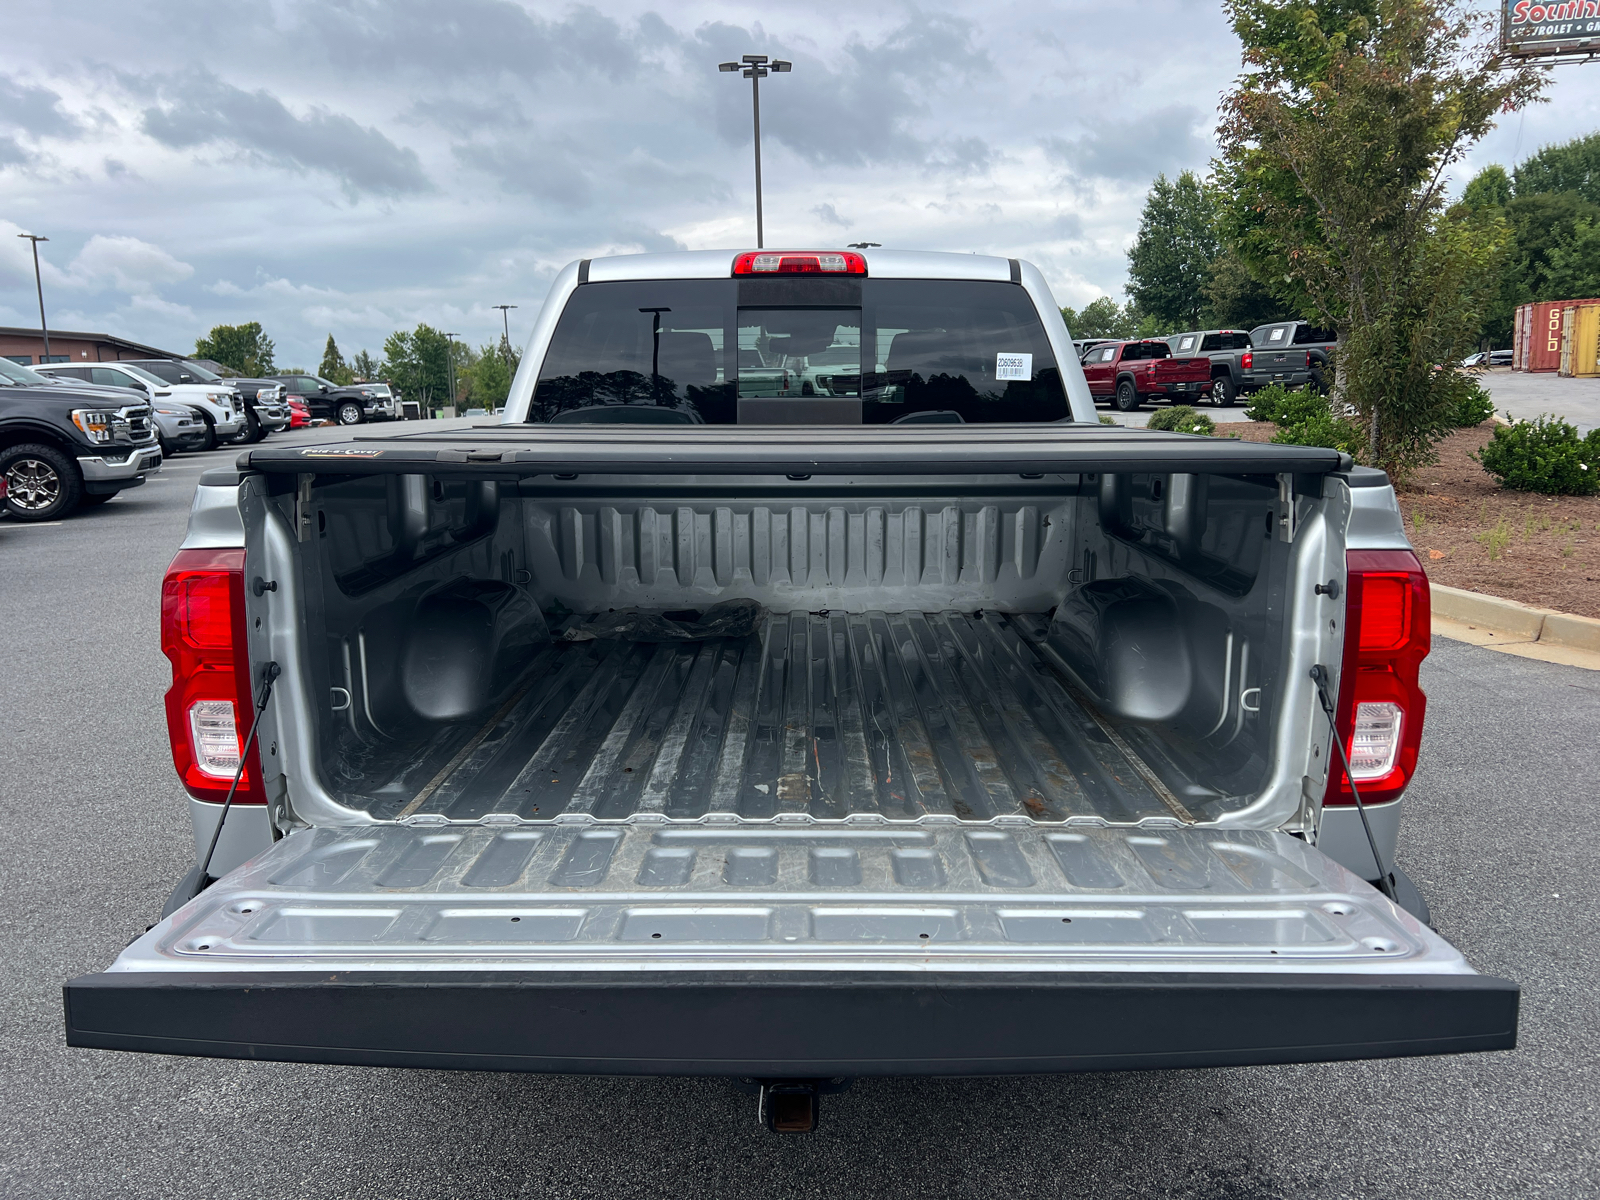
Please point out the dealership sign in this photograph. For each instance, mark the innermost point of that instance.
(1561, 27)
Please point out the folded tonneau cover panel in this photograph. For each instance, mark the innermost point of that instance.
(796, 450)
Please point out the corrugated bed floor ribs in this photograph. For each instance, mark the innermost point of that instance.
(822, 713)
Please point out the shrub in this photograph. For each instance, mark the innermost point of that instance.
(1545, 455)
(1304, 418)
(1324, 429)
(1265, 404)
(1182, 418)
(1105, 420)
(1473, 407)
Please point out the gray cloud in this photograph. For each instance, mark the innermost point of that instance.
(961, 157)
(553, 171)
(828, 216)
(35, 110)
(200, 109)
(1066, 227)
(862, 111)
(468, 116)
(11, 151)
(1135, 150)
(480, 38)
(649, 240)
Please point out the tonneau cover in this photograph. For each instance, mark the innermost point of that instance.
(1062, 448)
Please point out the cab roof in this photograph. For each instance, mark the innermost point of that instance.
(881, 264)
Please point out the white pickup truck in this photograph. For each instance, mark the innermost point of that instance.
(681, 724)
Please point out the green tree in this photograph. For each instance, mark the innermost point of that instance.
(1544, 226)
(1352, 118)
(364, 367)
(418, 363)
(491, 378)
(243, 347)
(1573, 265)
(1570, 167)
(1541, 224)
(1235, 299)
(511, 354)
(1489, 188)
(333, 366)
(1170, 262)
(1102, 318)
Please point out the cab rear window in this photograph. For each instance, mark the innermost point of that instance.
(799, 351)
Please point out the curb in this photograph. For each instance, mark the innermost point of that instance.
(1521, 621)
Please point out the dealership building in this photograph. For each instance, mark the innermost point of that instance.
(26, 346)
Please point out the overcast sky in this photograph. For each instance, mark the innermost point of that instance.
(351, 166)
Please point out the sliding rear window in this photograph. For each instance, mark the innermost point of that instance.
(799, 351)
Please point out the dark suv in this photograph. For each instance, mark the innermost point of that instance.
(348, 404)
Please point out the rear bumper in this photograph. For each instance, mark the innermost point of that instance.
(1252, 380)
(790, 1024)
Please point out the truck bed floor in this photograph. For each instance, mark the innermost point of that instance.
(829, 714)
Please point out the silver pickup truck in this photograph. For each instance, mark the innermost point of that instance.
(681, 724)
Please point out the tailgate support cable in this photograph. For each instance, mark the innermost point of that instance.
(1319, 675)
(195, 883)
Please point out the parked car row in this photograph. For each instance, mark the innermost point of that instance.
(216, 406)
(1223, 364)
(78, 433)
(345, 403)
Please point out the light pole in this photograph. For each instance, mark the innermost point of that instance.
(38, 283)
(505, 317)
(450, 366)
(755, 68)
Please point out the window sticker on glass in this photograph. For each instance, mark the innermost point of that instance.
(1276, 335)
(1185, 343)
(1013, 366)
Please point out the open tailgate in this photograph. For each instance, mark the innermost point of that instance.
(791, 949)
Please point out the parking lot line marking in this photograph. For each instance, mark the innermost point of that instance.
(33, 524)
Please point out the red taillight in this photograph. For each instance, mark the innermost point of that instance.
(820, 262)
(1381, 705)
(209, 706)
(1245, 360)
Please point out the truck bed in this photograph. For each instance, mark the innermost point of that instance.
(828, 714)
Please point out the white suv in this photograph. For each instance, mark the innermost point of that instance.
(217, 405)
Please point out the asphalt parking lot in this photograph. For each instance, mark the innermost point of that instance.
(93, 833)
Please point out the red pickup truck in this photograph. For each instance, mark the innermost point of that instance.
(1129, 373)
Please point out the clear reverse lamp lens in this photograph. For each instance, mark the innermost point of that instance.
(215, 735)
(1377, 739)
(765, 262)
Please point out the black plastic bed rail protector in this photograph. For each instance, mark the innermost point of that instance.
(510, 450)
(790, 1024)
